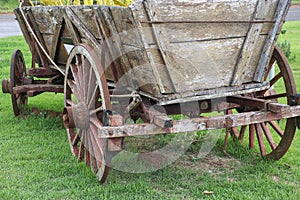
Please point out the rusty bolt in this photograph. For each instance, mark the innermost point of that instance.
(110, 132)
(204, 105)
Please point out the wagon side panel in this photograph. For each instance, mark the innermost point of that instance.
(134, 52)
(215, 54)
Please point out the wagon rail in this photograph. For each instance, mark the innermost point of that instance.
(201, 124)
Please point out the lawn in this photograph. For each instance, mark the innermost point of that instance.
(37, 163)
(296, 1)
(8, 5)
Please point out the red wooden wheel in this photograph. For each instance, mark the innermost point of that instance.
(272, 138)
(86, 99)
(17, 77)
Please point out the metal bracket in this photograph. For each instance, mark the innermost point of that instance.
(295, 99)
(106, 114)
(295, 102)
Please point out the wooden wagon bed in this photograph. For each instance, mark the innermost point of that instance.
(177, 51)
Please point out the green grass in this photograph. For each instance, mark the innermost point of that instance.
(8, 5)
(296, 1)
(292, 35)
(36, 162)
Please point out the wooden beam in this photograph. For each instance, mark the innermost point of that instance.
(198, 124)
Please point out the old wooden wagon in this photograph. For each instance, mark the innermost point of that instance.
(155, 59)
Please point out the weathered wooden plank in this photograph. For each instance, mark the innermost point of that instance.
(194, 58)
(61, 54)
(199, 9)
(249, 70)
(75, 35)
(172, 10)
(24, 29)
(268, 48)
(48, 22)
(114, 57)
(38, 88)
(135, 52)
(47, 18)
(146, 46)
(199, 95)
(250, 43)
(161, 41)
(198, 124)
(86, 14)
(203, 65)
(37, 49)
(78, 27)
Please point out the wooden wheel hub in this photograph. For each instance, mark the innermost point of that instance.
(77, 116)
(6, 86)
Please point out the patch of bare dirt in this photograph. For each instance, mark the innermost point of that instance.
(212, 163)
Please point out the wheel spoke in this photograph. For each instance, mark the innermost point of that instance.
(87, 151)
(235, 132)
(275, 79)
(251, 136)
(74, 71)
(276, 128)
(92, 151)
(270, 66)
(74, 89)
(260, 139)
(268, 136)
(81, 78)
(92, 99)
(82, 147)
(242, 133)
(98, 149)
(71, 85)
(96, 146)
(77, 137)
(275, 96)
(92, 112)
(71, 136)
(70, 102)
(86, 79)
(96, 122)
(87, 96)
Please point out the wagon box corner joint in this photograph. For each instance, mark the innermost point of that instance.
(153, 60)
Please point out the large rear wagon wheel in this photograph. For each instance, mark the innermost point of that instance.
(86, 99)
(272, 138)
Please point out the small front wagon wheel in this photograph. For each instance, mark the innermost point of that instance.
(17, 78)
(86, 99)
